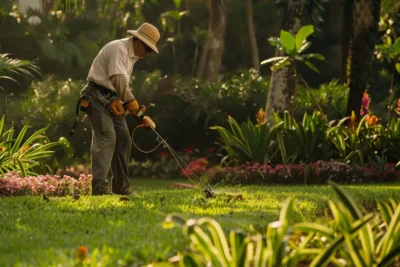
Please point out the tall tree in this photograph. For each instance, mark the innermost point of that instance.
(210, 61)
(363, 37)
(283, 81)
(252, 35)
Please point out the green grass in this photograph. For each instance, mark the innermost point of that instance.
(34, 232)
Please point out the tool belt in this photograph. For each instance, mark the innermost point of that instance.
(103, 90)
(83, 103)
(112, 102)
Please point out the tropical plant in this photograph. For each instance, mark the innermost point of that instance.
(305, 141)
(23, 153)
(359, 239)
(350, 238)
(390, 52)
(247, 142)
(24, 68)
(331, 96)
(253, 249)
(294, 48)
(356, 141)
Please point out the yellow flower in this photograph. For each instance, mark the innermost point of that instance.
(353, 120)
(260, 116)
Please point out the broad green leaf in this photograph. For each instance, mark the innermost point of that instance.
(281, 64)
(323, 258)
(315, 56)
(391, 232)
(273, 59)
(238, 242)
(202, 242)
(286, 213)
(304, 47)
(396, 47)
(288, 42)
(311, 66)
(219, 239)
(173, 14)
(347, 200)
(302, 35)
(315, 228)
(398, 67)
(177, 3)
(189, 261)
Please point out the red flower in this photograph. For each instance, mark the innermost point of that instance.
(163, 153)
(188, 150)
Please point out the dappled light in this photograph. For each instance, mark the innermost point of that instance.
(200, 133)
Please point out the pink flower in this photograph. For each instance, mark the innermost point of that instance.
(366, 100)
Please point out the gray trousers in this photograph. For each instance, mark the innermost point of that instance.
(111, 146)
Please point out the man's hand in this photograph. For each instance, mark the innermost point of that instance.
(132, 107)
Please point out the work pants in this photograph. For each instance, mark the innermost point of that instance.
(111, 146)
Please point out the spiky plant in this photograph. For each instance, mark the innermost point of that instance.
(24, 68)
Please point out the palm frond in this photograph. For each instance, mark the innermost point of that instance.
(24, 68)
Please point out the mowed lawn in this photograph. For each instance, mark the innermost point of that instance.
(34, 232)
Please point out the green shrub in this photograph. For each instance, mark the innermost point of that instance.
(24, 153)
(184, 107)
(247, 142)
(332, 98)
(51, 103)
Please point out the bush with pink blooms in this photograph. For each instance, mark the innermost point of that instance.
(318, 172)
(11, 184)
(200, 167)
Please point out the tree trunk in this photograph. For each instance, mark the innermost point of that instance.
(365, 16)
(335, 27)
(283, 81)
(252, 35)
(210, 61)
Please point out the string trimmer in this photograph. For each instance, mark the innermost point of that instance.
(148, 123)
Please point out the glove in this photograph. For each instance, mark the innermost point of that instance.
(116, 108)
(132, 107)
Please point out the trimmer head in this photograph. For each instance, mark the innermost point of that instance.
(210, 192)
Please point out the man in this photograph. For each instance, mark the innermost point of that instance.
(109, 95)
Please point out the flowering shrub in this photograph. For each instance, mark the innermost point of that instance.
(51, 185)
(74, 171)
(197, 166)
(317, 172)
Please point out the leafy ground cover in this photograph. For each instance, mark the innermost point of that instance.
(36, 232)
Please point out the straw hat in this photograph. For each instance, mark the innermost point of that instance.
(148, 34)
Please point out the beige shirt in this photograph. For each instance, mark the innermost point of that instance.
(115, 58)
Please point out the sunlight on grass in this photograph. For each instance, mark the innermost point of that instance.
(131, 231)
